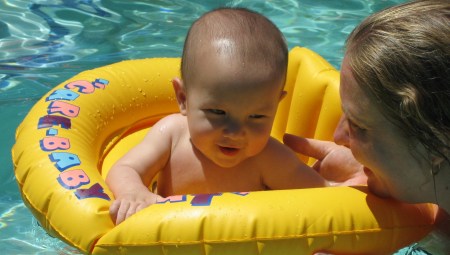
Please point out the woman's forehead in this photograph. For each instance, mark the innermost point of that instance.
(356, 103)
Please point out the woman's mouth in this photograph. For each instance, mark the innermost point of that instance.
(367, 171)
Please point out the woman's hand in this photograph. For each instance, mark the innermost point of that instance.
(334, 162)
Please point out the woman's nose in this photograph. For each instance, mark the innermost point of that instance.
(341, 132)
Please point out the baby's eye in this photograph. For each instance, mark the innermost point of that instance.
(257, 116)
(216, 111)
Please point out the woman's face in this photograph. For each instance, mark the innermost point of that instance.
(392, 169)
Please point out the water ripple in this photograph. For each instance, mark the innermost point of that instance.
(44, 42)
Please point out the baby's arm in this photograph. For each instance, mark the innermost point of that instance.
(284, 170)
(131, 175)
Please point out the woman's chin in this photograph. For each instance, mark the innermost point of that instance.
(375, 186)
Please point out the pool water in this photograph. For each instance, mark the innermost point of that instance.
(44, 42)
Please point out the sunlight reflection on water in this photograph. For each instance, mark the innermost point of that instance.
(44, 42)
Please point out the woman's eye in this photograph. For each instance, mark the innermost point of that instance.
(354, 126)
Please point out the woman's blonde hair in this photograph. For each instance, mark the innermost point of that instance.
(401, 56)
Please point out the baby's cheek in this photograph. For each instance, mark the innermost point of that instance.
(258, 143)
(203, 132)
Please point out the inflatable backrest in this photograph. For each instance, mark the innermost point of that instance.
(311, 107)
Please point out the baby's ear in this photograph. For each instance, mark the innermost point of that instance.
(283, 95)
(180, 93)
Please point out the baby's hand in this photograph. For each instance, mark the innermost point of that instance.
(129, 204)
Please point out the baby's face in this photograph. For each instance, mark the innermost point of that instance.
(231, 112)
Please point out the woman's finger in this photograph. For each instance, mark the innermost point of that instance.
(309, 147)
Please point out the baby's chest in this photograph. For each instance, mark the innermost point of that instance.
(187, 174)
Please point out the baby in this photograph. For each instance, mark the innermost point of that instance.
(233, 73)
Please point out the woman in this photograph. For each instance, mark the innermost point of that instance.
(395, 92)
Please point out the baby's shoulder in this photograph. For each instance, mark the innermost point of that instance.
(172, 121)
(172, 125)
(275, 146)
(277, 152)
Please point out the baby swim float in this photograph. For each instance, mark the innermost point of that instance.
(71, 137)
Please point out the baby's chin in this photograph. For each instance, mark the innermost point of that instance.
(225, 161)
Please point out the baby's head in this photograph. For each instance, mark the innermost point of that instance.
(242, 41)
(233, 72)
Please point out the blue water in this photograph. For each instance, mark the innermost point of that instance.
(42, 43)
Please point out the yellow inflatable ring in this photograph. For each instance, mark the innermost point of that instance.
(82, 125)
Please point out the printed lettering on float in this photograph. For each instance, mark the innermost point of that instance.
(61, 111)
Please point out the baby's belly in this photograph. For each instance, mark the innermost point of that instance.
(175, 183)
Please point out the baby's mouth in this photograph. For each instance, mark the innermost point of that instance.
(229, 151)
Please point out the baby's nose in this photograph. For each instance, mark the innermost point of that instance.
(233, 128)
